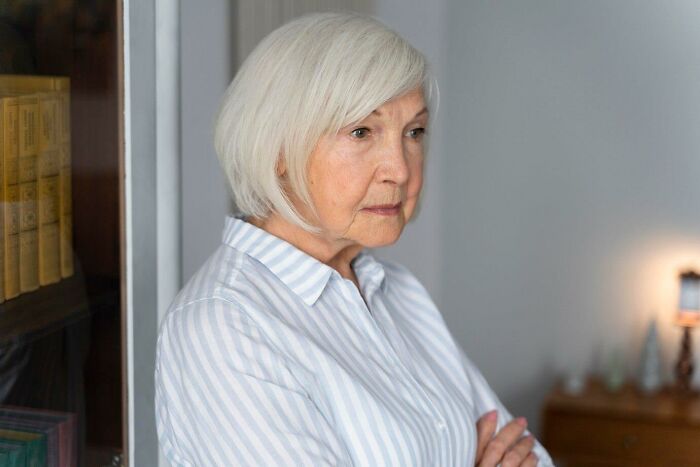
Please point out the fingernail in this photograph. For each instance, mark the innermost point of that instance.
(491, 416)
(521, 421)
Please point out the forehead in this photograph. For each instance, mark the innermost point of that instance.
(409, 105)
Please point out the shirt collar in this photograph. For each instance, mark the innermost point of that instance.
(302, 273)
(370, 273)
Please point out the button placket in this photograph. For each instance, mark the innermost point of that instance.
(382, 314)
(389, 330)
(348, 288)
(379, 336)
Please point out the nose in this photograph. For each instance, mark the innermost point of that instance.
(394, 163)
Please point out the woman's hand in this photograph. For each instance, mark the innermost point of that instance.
(508, 447)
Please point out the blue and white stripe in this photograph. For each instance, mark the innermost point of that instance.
(268, 357)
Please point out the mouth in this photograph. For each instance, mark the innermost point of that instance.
(384, 209)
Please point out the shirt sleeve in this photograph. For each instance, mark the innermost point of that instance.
(485, 400)
(226, 396)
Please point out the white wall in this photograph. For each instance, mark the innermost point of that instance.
(571, 188)
(207, 63)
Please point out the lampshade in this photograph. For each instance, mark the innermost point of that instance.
(689, 302)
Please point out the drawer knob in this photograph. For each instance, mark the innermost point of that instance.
(628, 441)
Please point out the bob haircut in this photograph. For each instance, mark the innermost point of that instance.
(310, 77)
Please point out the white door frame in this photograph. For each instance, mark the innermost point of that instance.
(152, 203)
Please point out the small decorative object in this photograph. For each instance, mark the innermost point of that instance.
(688, 318)
(650, 367)
(574, 383)
(615, 371)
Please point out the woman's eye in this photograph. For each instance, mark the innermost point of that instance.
(360, 132)
(416, 133)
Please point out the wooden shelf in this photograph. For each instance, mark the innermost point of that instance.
(622, 429)
(48, 309)
(665, 406)
(103, 457)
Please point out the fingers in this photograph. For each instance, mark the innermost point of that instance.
(504, 440)
(530, 460)
(522, 449)
(485, 429)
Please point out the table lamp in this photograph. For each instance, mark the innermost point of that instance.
(688, 318)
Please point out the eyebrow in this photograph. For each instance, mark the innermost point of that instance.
(424, 110)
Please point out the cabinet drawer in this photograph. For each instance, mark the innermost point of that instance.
(612, 439)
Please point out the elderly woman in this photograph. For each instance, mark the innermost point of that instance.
(293, 345)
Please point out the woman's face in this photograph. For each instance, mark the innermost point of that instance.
(365, 181)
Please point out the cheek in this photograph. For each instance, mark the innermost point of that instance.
(415, 182)
(413, 190)
(338, 191)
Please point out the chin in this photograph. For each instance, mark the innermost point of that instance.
(385, 239)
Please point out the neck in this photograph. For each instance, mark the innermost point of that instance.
(336, 253)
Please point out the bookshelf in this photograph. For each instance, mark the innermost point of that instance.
(55, 307)
(62, 344)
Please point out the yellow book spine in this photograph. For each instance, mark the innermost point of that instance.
(66, 222)
(48, 189)
(65, 179)
(3, 149)
(48, 229)
(10, 195)
(26, 84)
(27, 175)
(28, 261)
(12, 288)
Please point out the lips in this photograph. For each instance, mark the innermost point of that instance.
(384, 209)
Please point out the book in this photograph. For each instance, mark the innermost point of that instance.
(48, 196)
(27, 181)
(16, 454)
(50, 430)
(9, 113)
(2, 203)
(34, 443)
(64, 422)
(27, 84)
(60, 87)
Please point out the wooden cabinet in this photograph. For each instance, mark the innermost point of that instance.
(622, 429)
(84, 347)
(62, 345)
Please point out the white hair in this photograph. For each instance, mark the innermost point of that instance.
(310, 77)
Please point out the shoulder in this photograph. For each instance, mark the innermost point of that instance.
(200, 330)
(230, 295)
(222, 266)
(217, 304)
(228, 279)
(210, 335)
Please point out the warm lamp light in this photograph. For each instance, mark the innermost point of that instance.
(688, 318)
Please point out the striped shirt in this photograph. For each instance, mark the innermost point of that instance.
(268, 357)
